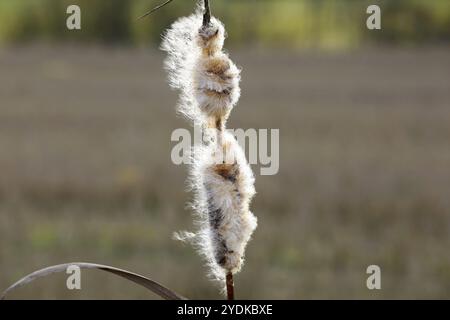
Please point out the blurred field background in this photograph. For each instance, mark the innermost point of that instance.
(364, 117)
(327, 24)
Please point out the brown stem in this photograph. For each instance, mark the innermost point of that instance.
(207, 14)
(230, 286)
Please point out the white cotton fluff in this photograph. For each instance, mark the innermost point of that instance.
(207, 79)
(220, 176)
(223, 184)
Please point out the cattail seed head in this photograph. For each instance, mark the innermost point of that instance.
(220, 176)
(223, 185)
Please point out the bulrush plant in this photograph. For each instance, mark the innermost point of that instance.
(221, 179)
(220, 176)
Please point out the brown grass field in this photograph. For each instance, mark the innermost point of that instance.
(364, 173)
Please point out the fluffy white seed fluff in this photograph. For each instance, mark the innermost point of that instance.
(207, 79)
(220, 176)
(224, 186)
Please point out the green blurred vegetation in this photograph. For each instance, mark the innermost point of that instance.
(286, 23)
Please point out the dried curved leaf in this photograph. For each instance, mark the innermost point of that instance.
(151, 285)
